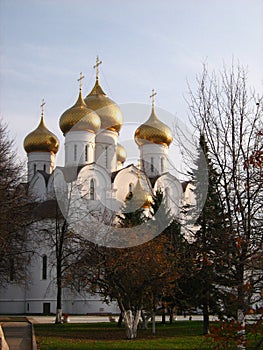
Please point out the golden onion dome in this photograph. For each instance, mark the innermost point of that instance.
(153, 131)
(140, 198)
(109, 112)
(79, 117)
(121, 153)
(41, 139)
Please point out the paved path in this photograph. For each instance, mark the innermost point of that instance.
(18, 335)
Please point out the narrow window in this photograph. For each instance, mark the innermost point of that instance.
(27, 307)
(44, 167)
(130, 187)
(35, 168)
(12, 270)
(75, 152)
(86, 153)
(44, 267)
(92, 189)
(106, 157)
(162, 165)
(152, 165)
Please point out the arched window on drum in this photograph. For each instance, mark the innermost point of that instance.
(92, 189)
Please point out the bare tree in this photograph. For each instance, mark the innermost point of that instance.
(231, 119)
(14, 214)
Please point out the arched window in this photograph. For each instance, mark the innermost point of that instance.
(92, 189)
(44, 267)
(11, 269)
(130, 187)
(106, 157)
(75, 152)
(86, 153)
(152, 165)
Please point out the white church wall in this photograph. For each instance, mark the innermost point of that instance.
(173, 191)
(101, 181)
(105, 149)
(38, 188)
(154, 158)
(125, 179)
(79, 147)
(43, 161)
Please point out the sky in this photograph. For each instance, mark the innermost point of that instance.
(146, 44)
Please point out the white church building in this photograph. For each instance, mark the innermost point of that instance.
(94, 160)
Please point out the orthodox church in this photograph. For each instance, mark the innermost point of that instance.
(94, 161)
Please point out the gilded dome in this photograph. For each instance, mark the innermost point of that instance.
(109, 112)
(41, 140)
(153, 131)
(79, 117)
(139, 197)
(121, 153)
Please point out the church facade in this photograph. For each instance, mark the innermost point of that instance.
(95, 163)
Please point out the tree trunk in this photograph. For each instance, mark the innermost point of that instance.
(241, 333)
(163, 315)
(153, 323)
(59, 295)
(205, 317)
(145, 319)
(120, 320)
(241, 309)
(171, 315)
(131, 323)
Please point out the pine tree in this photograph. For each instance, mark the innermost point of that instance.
(130, 215)
(210, 241)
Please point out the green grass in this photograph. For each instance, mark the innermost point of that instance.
(180, 335)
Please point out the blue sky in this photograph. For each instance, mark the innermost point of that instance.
(144, 44)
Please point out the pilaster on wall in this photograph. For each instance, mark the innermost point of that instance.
(105, 150)
(79, 148)
(40, 161)
(154, 159)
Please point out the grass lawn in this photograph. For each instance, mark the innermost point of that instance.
(97, 336)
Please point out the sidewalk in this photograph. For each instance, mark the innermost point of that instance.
(18, 334)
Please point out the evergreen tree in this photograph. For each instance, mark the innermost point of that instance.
(131, 215)
(208, 248)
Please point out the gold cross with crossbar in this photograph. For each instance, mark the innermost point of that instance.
(152, 97)
(96, 66)
(80, 80)
(42, 106)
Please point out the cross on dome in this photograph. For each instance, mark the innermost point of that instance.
(42, 106)
(80, 80)
(152, 97)
(96, 66)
